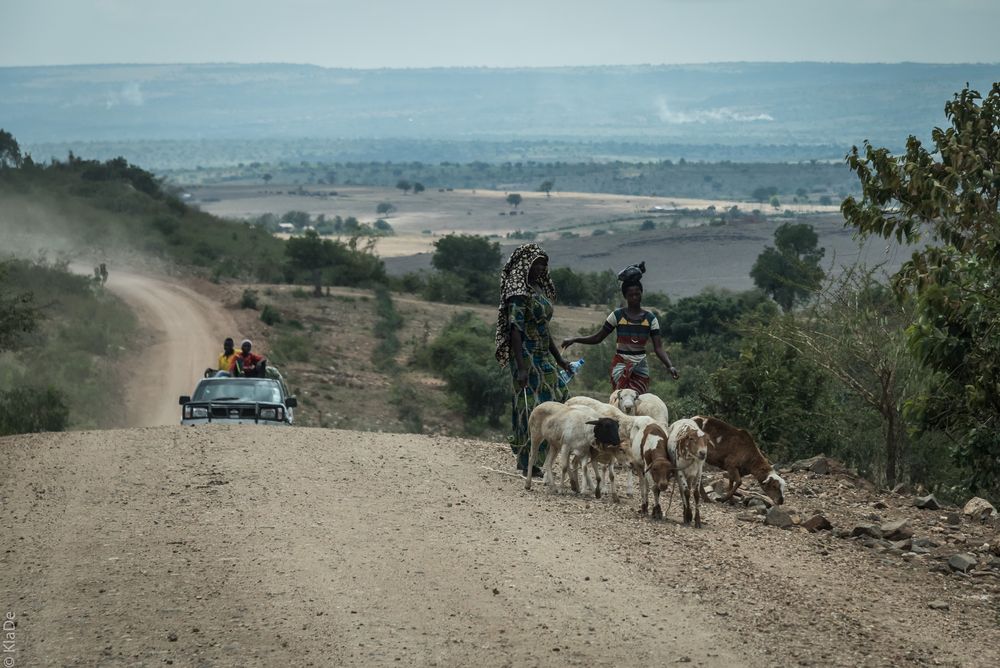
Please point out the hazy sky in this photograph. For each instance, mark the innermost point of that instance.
(498, 33)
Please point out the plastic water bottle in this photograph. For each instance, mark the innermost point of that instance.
(566, 376)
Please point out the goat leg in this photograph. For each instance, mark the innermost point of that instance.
(697, 511)
(735, 480)
(657, 510)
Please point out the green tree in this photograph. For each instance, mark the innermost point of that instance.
(10, 151)
(384, 208)
(546, 187)
(764, 193)
(572, 287)
(312, 255)
(775, 202)
(473, 260)
(514, 199)
(418, 188)
(383, 227)
(790, 270)
(404, 185)
(948, 197)
(647, 225)
(267, 178)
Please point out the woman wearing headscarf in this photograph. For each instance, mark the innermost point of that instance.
(524, 342)
(635, 328)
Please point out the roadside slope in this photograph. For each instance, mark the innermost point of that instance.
(248, 546)
(186, 330)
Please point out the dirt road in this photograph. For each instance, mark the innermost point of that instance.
(185, 331)
(234, 546)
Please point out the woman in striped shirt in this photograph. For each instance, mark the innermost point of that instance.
(635, 327)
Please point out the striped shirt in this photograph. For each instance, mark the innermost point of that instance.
(633, 333)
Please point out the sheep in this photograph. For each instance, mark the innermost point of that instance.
(626, 431)
(624, 400)
(734, 451)
(688, 447)
(568, 431)
(601, 459)
(651, 405)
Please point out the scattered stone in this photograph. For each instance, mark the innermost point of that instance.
(869, 530)
(962, 562)
(994, 563)
(749, 516)
(842, 533)
(927, 502)
(938, 605)
(817, 523)
(995, 546)
(819, 464)
(778, 517)
(979, 509)
(924, 543)
(899, 530)
(172, 637)
(902, 545)
(880, 505)
(953, 518)
(900, 489)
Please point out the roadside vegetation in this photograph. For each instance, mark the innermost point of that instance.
(61, 335)
(898, 380)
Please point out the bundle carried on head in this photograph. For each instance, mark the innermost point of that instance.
(632, 275)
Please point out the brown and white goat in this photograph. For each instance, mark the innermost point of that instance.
(649, 446)
(569, 432)
(734, 451)
(687, 445)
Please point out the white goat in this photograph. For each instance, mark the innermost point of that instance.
(569, 432)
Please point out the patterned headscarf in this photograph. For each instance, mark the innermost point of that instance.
(513, 283)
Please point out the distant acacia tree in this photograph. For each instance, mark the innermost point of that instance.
(404, 185)
(418, 187)
(513, 199)
(764, 193)
(384, 208)
(790, 270)
(546, 187)
(267, 178)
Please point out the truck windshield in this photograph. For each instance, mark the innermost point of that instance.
(238, 389)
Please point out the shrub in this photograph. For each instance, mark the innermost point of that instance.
(249, 299)
(270, 315)
(25, 410)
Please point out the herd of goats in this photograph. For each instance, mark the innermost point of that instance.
(634, 430)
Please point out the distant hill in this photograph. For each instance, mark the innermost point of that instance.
(738, 111)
